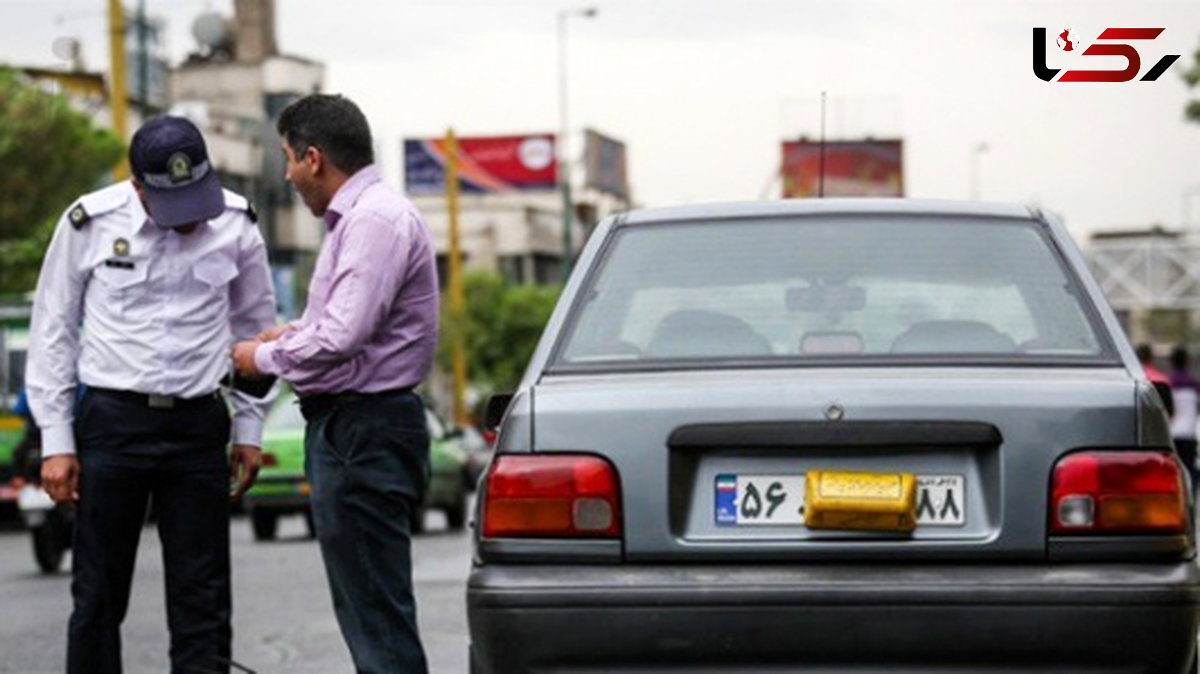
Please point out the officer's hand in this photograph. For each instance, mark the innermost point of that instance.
(272, 334)
(243, 357)
(244, 462)
(60, 477)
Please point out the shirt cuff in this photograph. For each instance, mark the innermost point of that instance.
(58, 440)
(264, 358)
(247, 431)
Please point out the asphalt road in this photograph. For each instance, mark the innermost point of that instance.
(282, 614)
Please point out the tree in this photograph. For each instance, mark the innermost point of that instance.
(1192, 77)
(50, 153)
(500, 328)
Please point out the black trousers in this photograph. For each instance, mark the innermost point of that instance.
(367, 458)
(131, 453)
(1187, 454)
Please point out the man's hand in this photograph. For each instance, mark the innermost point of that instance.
(244, 462)
(60, 477)
(243, 358)
(272, 334)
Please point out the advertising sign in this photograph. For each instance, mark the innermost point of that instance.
(868, 168)
(604, 161)
(486, 165)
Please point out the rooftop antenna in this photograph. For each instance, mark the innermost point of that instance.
(821, 169)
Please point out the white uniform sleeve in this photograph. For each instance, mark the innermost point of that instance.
(51, 377)
(252, 310)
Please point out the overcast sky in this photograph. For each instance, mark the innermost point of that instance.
(703, 91)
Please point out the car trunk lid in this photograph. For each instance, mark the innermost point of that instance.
(981, 441)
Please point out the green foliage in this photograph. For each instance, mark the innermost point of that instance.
(1192, 77)
(50, 154)
(500, 328)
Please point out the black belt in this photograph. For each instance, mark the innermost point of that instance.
(155, 401)
(317, 404)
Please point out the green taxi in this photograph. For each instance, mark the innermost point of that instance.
(281, 488)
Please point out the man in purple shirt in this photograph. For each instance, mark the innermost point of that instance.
(366, 338)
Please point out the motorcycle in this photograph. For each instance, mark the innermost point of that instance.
(50, 524)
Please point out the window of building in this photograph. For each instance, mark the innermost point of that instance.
(512, 268)
(546, 269)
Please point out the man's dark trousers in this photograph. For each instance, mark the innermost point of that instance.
(131, 453)
(367, 459)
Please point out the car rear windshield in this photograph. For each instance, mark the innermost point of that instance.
(845, 288)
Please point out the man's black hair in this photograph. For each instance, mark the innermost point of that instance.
(1179, 358)
(334, 125)
(1144, 353)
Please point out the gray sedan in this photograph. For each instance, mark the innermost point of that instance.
(833, 435)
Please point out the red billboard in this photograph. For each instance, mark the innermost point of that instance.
(866, 168)
(486, 165)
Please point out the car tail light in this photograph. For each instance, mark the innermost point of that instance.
(551, 496)
(1119, 492)
(269, 459)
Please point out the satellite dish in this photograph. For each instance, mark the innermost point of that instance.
(66, 48)
(212, 30)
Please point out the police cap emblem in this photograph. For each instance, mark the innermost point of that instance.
(121, 247)
(179, 167)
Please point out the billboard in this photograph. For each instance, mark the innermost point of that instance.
(867, 168)
(604, 163)
(486, 165)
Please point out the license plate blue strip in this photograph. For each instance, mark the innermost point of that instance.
(726, 500)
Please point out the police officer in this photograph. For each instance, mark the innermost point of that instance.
(144, 287)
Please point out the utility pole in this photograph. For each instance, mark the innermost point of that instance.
(454, 283)
(564, 160)
(116, 86)
(143, 60)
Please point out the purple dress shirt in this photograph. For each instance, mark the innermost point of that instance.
(372, 315)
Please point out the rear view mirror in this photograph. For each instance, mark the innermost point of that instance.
(497, 405)
(826, 298)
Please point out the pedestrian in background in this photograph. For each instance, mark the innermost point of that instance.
(162, 272)
(365, 340)
(1185, 390)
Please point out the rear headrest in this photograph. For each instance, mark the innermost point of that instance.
(952, 337)
(690, 333)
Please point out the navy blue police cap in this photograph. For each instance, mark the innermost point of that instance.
(170, 161)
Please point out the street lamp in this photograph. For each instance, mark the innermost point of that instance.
(564, 166)
(979, 149)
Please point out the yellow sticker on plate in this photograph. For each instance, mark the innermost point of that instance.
(860, 500)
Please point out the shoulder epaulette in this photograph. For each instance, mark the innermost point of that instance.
(78, 216)
(98, 203)
(237, 202)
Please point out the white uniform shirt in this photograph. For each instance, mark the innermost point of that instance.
(123, 304)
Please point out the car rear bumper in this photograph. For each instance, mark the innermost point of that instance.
(1097, 618)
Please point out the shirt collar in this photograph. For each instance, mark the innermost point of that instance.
(138, 217)
(348, 194)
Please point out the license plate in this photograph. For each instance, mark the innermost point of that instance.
(778, 500)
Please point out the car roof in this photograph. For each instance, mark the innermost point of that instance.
(800, 207)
